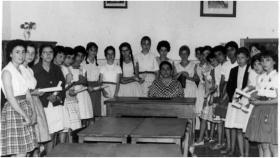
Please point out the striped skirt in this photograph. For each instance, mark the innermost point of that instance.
(16, 138)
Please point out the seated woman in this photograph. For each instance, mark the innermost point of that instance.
(165, 86)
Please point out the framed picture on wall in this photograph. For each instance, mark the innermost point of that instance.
(218, 8)
(115, 4)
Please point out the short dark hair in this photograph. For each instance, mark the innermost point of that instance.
(91, 44)
(163, 44)
(12, 44)
(69, 51)
(44, 46)
(186, 48)
(210, 56)
(209, 48)
(109, 48)
(198, 49)
(271, 54)
(31, 44)
(255, 58)
(232, 44)
(219, 48)
(58, 50)
(165, 63)
(244, 51)
(146, 38)
(80, 49)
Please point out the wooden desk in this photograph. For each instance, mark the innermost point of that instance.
(115, 150)
(109, 129)
(133, 106)
(160, 130)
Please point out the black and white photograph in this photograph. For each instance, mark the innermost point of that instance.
(131, 78)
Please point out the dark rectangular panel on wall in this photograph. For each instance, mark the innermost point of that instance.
(264, 43)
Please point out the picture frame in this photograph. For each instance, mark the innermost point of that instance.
(115, 4)
(218, 8)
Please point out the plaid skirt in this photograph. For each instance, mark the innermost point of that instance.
(16, 138)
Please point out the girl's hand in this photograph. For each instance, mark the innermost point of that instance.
(141, 80)
(33, 119)
(186, 74)
(72, 92)
(255, 102)
(105, 93)
(27, 121)
(37, 93)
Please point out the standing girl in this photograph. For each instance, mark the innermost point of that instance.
(41, 127)
(262, 125)
(18, 115)
(187, 68)
(129, 86)
(238, 79)
(109, 76)
(93, 73)
(79, 75)
(146, 65)
(48, 75)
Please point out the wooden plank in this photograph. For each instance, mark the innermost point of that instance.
(160, 128)
(142, 100)
(109, 129)
(150, 109)
(115, 150)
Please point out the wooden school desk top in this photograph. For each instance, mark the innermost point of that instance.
(110, 126)
(155, 107)
(115, 150)
(141, 100)
(161, 128)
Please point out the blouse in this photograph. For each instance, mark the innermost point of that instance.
(159, 89)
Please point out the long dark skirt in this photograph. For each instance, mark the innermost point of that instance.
(95, 97)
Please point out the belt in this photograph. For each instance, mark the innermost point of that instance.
(20, 97)
(109, 83)
(147, 72)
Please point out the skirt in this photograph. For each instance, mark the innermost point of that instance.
(41, 127)
(262, 125)
(55, 118)
(16, 138)
(71, 114)
(190, 90)
(85, 105)
(236, 118)
(132, 89)
(149, 78)
(95, 97)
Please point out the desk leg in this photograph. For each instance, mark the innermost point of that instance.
(133, 140)
(124, 140)
(81, 139)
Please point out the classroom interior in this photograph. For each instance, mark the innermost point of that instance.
(146, 132)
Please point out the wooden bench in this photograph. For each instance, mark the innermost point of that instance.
(160, 130)
(115, 150)
(109, 129)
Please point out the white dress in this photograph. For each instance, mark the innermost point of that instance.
(132, 89)
(41, 127)
(235, 117)
(146, 63)
(84, 101)
(71, 110)
(191, 88)
(110, 73)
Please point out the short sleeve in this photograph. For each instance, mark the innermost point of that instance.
(155, 64)
(101, 70)
(119, 70)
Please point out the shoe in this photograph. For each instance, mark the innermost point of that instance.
(211, 140)
(225, 151)
(198, 143)
(217, 147)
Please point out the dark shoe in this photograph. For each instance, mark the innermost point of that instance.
(225, 151)
(217, 147)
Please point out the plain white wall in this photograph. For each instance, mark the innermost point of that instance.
(76, 23)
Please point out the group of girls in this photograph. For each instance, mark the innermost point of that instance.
(224, 69)
(31, 120)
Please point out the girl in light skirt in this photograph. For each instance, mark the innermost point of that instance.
(129, 86)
